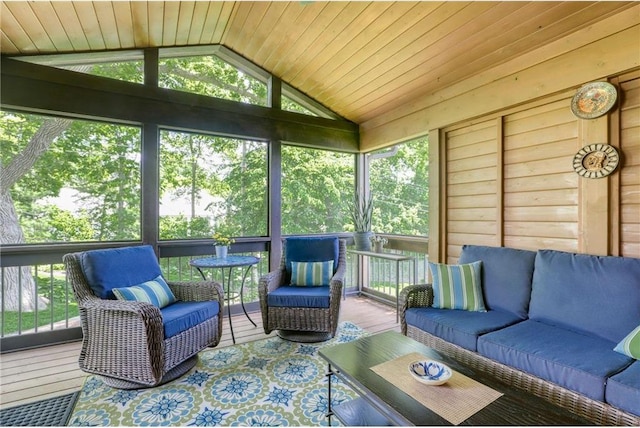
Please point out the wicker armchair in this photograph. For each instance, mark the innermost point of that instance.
(295, 311)
(135, 344)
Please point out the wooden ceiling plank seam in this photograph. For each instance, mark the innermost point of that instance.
(185, 19)
(51, 23)
(267, 25)
(5, 41)
(155, 13)
(90, 25)
(275, 39)
(124, 24)
(364, 23)
(392, 55)
(233, 34)
(24, 14)
(196, 29)
(402, 61)
(171, 15)
(15, 33)
(140, 23)
(224, 21)
(210, 23)
(586, 35)
(351, 58)
(294, 34)
(333, 30)
(254, 31)
(307, 38)
(68, 16)
(107, 20)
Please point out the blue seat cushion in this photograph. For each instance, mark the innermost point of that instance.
(623, 389)
(105, 270)
(457, 326)
(576, 361)
(290, 296)
(506, 276)
(181, 316)
(311, 249)
(596, 295)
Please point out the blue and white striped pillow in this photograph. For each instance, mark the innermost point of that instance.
(630, 345)
(156, 292)
(311, 273)
(457, 286)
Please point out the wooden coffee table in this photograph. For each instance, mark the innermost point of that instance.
(381, 403)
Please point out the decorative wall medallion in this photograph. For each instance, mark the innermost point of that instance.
(593, 100)
(596, 160)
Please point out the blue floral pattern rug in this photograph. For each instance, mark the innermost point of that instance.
(269, 382)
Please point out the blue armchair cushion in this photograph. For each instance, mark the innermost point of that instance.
(460, 327)
(457, 286)
(181, 316)
(596, 295)
(630, 345)
(311, 273)
(290, 296)
(105, 270)
(623, 389)
(576, 361)
(506, 276)
(156, 292)
(311, 249)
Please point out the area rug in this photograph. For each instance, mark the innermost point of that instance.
(269, 382)
(52, 412)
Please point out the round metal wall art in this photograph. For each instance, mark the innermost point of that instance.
(593, 100)
(596, 160)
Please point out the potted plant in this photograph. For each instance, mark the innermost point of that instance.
(361, 210)
(221, 243)
(378, 243)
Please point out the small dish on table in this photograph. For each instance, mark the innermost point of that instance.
(430, 372)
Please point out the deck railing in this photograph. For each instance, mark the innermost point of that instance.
(54, 317)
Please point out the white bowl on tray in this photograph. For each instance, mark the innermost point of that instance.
(430, 372)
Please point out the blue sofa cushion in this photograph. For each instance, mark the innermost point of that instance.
(506, 276)
(597, 295)
(311, 249)
(573, 360)
(181, 316)
(118, 267)
(623, 389)
(289, 296)
(459, 327)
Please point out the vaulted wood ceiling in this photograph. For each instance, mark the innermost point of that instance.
(360, 59)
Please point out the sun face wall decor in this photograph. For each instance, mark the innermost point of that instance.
(596, 160)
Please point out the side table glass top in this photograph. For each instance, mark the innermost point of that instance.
(229, 261)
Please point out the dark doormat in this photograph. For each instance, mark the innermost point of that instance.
(52, 412)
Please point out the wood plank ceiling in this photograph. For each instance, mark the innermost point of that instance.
(360, 59)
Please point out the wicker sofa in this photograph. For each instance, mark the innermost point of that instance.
(551, 323)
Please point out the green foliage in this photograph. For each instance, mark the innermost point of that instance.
(361, 210)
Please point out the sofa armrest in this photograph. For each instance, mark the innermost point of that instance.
(414, 296)
(189, 291)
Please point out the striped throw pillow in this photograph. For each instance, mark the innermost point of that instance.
(311, 273)
(156, 292)
(457, 286)
(630, 345)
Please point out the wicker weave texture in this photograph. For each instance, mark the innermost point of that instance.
(302, 319)
(595, 411)
(124, 341)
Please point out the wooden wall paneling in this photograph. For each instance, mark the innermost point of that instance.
(499, 182)
(437, 196)
(614, 179)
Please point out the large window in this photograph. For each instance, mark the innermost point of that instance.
(209, 184)
(316, 185)
(68, 180)
(399, 180)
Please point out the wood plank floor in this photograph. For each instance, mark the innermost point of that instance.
(36, 374)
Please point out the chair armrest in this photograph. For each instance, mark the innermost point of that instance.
(199, 291)
(414, 296)
(272, 280)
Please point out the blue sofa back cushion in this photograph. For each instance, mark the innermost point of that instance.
(181, 316)
(597, 295)
(289, 296)
(573, 360)
(105, 270)
(506, 276)
(311, 249)
(623, 389)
